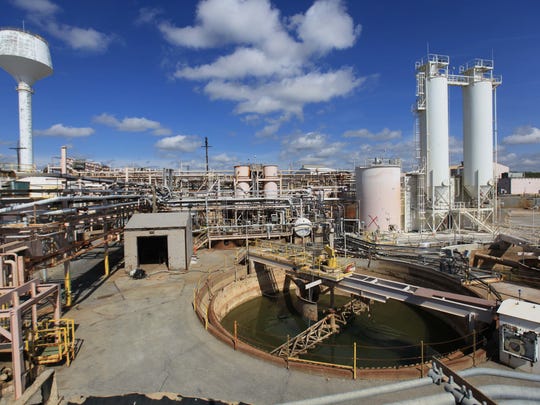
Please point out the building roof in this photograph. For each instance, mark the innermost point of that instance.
(158, 220)
(528, 311)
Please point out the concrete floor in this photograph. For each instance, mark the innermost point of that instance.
(142, 336)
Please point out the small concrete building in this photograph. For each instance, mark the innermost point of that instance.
(519, 328)
(158, 239)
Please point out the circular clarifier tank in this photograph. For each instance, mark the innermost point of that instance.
(389, 335)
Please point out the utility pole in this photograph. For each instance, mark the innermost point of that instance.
(206, 146)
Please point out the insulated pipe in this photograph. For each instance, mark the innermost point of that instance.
(53, 200)
(410, 384)
(509, 392)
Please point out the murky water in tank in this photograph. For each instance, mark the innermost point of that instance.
(390, 335)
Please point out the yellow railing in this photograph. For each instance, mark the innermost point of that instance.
(52, 342)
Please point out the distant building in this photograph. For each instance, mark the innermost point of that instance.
(314, 169)
(519, 183)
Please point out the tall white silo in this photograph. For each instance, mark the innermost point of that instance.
(378, 192)
(478, 129)
(26, 57)
(433, 127)
(438, 158)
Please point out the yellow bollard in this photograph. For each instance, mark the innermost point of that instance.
(106, 260)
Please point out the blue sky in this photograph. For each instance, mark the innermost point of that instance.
(327, 82)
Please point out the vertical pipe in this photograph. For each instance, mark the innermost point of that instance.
(25, 126)
(67, 282)
(17, 347)
(63, 160)
(33, 293)
(474, 348)
(422, 358)
(20, 270)
(235, 334)
(354, 360)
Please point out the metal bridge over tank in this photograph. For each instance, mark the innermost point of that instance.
(375, 288)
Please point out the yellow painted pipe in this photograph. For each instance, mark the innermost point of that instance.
(67, 284)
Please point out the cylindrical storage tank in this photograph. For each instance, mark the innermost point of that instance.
(270, 171)
(379, 197)
(241, 172)
(477, 138)
(437, 152)
(270, 189)
(242, 189)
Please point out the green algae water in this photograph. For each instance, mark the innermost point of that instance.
(389, 335)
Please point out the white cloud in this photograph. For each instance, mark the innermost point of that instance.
(241, 63)
(80, 38)
(42, 7)
(523, 135)
(287, 94)
(42, 13)
(272, 65)
(148, 15)
(226, 21)
(179, 143)
(132, 124)
(162, 131)
(68, 132)
(384, 135)
(312, 148)
(326, 26)
(522, 161)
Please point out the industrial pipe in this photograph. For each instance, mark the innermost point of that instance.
(411, 384)
(498, 392)
(53, 200)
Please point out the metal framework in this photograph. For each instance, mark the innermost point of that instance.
(15, 303)
(477, 211)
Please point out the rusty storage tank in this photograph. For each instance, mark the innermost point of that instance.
(379, 195)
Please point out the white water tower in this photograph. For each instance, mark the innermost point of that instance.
(27, 59)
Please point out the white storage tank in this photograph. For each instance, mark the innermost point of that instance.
(436, 143)
(270, 173)
(242, 179)
(478, 138)
(379, 197)
(242, 172)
